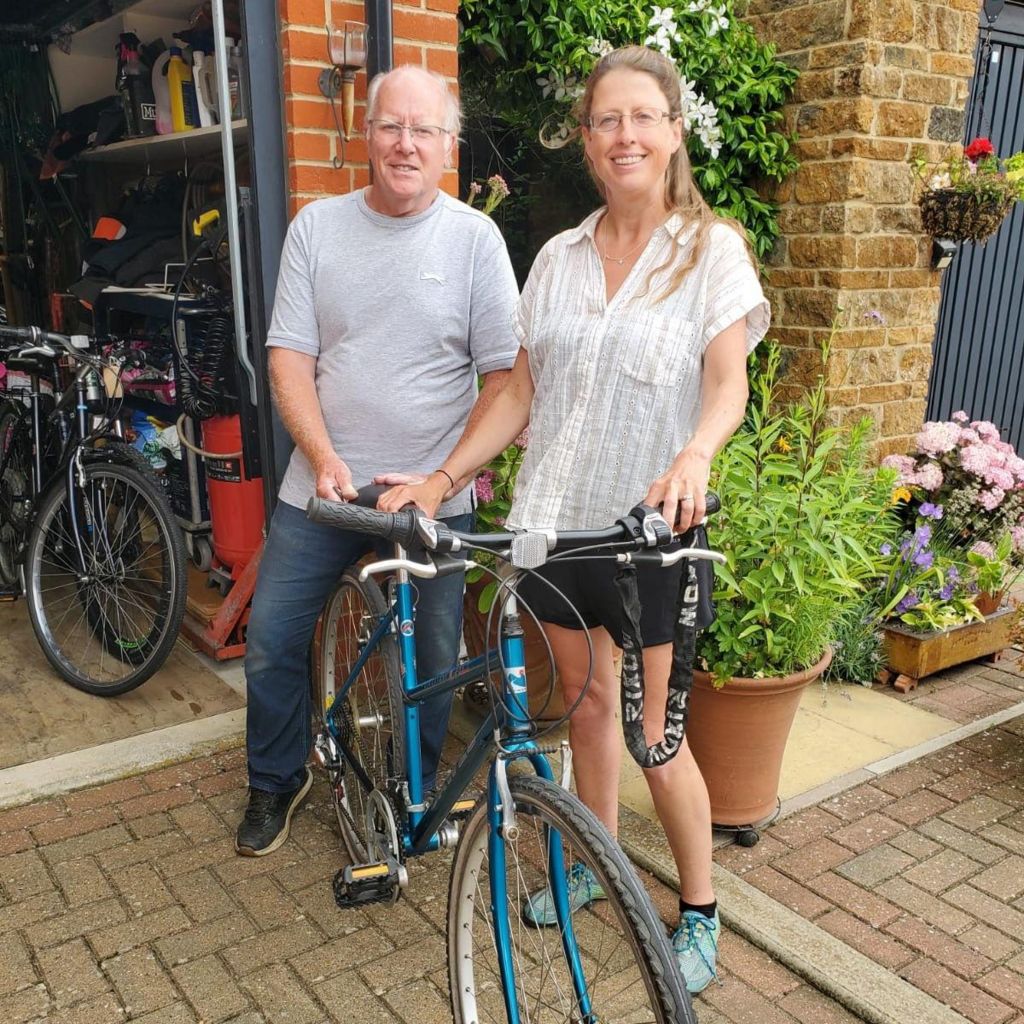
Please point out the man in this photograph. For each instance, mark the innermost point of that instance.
(390, 301)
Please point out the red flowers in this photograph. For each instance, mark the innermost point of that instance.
(979, 148)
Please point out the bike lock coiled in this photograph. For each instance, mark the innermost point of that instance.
(202, 385)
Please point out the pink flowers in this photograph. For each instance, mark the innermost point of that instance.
(936, 438)
(485, 486)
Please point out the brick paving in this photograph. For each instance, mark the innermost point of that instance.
(969, 692)
(921, 870)
(127, 902)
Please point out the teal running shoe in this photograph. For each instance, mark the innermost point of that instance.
(695, 942)
(539, 909)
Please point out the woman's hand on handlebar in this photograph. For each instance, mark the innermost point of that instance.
(425, 492)
(680, 491)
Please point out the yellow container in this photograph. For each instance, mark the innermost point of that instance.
(182, 90)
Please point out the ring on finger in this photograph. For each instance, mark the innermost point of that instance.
(686, 497)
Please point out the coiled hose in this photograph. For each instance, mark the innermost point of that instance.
(203, 379)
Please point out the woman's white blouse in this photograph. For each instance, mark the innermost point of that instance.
(618, 384)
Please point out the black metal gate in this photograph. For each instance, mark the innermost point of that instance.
(979, 339)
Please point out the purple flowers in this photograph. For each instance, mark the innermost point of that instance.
(930, 511)
(886, 549)
(908, 602)
(924, 558)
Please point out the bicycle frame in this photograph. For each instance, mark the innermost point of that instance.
(421, 830)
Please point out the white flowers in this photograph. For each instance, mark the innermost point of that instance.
(719, 21)
(561, 87)
(665, 30)
(700, 116)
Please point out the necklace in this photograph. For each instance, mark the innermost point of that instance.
(620, 260)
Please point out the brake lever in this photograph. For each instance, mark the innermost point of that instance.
(425, 570)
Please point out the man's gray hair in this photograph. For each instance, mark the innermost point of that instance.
(453, 111)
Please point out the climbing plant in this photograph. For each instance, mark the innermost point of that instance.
(524, 62)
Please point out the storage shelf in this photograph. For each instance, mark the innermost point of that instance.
(198, 142)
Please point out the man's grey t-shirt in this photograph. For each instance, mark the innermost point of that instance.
(401, 314)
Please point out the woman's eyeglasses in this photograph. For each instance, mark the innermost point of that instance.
(645, 117)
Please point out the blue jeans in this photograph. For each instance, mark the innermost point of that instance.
(302, 562)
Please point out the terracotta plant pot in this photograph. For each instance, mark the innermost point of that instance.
(738, 735)
(538, 667)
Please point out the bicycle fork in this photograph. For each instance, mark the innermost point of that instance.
(502, 829)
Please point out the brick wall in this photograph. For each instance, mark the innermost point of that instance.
(425, 34)
(880, 78)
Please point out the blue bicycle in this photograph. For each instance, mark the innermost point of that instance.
(606, 955)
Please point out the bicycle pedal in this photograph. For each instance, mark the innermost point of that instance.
(358, 885)
(461, 810)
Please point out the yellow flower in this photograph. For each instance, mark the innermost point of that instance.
(901, 494)
(784, 445)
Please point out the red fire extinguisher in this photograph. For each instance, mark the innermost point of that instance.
(236, 502)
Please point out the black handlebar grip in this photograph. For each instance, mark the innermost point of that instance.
(18, 333)
(712, 504)
(399, 527)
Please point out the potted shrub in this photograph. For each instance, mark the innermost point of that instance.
(801, 512)
(963, 494)
(967, 196)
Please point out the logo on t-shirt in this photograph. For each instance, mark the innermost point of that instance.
(426, 275)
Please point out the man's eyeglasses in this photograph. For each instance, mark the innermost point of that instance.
(645, 117)
(392, 131)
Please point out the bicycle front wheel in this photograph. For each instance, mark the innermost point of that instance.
(369, 718)
(610, 964)
(106, 599)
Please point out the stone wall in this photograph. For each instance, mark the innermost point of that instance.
(425, 34)
(879, 79)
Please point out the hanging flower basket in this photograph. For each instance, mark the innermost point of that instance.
(963, 216)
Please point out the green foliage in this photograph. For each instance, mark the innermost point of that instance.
(857, 641)
(990, 573)
(524, 61)
(802, 513)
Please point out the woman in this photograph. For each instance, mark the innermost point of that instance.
(634, 329)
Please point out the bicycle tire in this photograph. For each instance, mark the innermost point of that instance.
(116, 489)
(649, 985)
(15, 487)
(111, 449)
(370, 719)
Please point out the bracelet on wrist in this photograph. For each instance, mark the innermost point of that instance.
(447, 474)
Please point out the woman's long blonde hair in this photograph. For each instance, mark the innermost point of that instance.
(681, 193)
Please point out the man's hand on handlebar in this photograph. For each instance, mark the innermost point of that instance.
(333, 480)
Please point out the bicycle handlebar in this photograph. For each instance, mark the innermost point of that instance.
(642, 527)
(42, 342)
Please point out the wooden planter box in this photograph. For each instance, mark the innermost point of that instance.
(912, 656)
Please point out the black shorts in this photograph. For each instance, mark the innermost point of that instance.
(590, 586)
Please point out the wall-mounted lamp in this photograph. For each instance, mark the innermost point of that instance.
(943, 251)
(346, 50)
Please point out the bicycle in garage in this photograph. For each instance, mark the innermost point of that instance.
(610, 962)
(86, 533)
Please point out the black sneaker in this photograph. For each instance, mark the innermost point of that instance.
(268, 819)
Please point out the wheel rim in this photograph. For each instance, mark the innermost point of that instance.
(365, 719)
(101, 625)
(621, 992)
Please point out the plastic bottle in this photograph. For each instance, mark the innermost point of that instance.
(203, 76)
(184, 116)
(133, 84)
(234, 55)
(162, 94)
